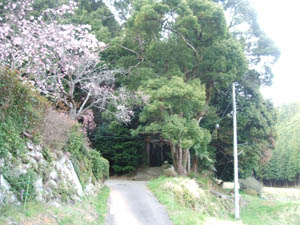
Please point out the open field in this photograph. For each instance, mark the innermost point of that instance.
(273, 193)
(281, 193)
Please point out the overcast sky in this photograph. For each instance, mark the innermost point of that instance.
(280, 20)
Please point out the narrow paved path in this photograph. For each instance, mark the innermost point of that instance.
(131, 203)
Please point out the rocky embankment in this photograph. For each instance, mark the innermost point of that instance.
(34, 176)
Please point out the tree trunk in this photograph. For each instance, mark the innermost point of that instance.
(185, 158)
(174, 156)
(73, 113)
(189, 163)
(180, 168)
(195, 164)
(181, 159)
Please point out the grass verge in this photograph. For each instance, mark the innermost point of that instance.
(177, 213)
(190, 204)
(187, 203)
(90, 211)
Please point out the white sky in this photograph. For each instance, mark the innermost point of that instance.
(281, 22)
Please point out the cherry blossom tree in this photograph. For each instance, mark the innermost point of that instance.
(60, 60)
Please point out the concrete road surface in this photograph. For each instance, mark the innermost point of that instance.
(131, 203)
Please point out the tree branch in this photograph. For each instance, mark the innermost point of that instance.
(199, 58)
(139, 57)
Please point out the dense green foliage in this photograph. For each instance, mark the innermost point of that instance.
(171, 112)
(256, 116)
(92, 12)
(98, 15)
(256, 135)
(21, 110)
(168, 40)
(100, 166)
(87, 162)
(23, 185)
(191, 50)
(284, 165)
(123, 150)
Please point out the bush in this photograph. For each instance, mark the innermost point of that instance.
(21, 112)
(251, 183)
(23, 185)
(83, 169)
(87, 162)
(76, 143)
(100, 166)
(10, 138)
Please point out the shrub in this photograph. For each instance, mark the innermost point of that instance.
(83, 169)
(76, 142)
(251, 183)
(10, 138)
(23, 185)
(21, 112)
(100, 166)
(250, 192)
(87, 162)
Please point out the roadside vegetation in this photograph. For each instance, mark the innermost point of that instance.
(89, 211)
(191, 201)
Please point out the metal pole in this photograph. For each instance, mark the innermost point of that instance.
(235, 154)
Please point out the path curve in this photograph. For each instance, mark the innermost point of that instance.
(131, 203)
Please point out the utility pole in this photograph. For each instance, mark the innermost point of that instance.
(235, 154)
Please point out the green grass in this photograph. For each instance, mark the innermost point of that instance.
(215, 211)
(90, 211)
(177, 213)
(101, 205)
(186, 203)
(264, 212)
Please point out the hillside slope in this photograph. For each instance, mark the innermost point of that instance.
(44, 155)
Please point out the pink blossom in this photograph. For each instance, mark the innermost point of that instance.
(59, 58)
